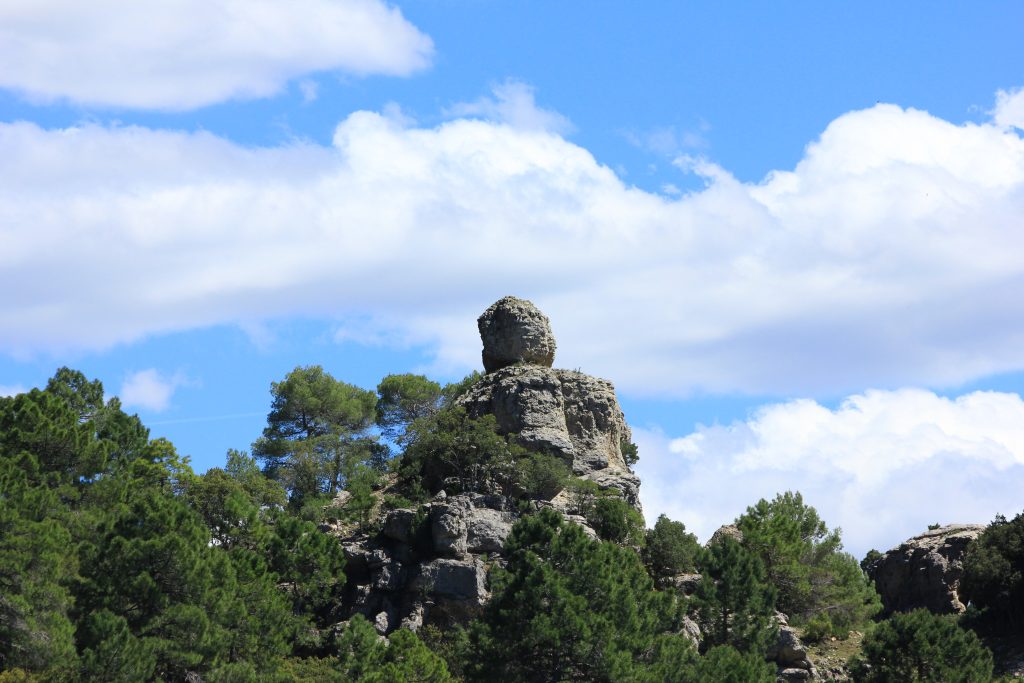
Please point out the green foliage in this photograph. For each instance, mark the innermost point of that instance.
(993, 578)
(451, 450)
(617, 521)
(669, 549)
(920, 646)
(870, 558)
(451, 392)
(630, 453)
(734, 602)
(541, 475)
(363, 657)
(310, 565)
(316, 432)
(403, 399)
(805, 563)
(261, 490)
(35, 568)
(569, 608)
(818, 628)
(724, 664)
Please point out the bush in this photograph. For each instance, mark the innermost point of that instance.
(617, 521)
(993, 577)
(818, 628)
(805, 563)
(669, 549)
(921, 646)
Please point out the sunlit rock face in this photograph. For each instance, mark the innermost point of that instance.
(561, 412)
(514, 331)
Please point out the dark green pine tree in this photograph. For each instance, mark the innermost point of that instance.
(734, 603)
(569, 608)
(922, 647)
(36, 566)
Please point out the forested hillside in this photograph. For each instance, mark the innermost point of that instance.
(481, 531)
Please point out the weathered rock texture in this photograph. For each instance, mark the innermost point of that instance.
(564, 413)
(430, 565)
(925, 571)
(515, 331)
(789, 653)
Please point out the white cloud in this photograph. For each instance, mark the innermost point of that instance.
(11, 389)
(883, 465)
(513, 103)
(150, 390)
(1009, 111)
(892, 255)
(183, 54)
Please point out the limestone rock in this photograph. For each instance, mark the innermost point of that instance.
(691, 630)
(725, 531)
(448, 526)
(455, 579)
(925, 571)
(515, 331)
(398, 525)
(564, 413)
(687, 584)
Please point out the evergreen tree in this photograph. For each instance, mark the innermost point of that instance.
(403, 399)
(993, 577)
(925, 647)
(316, 431)
(804, 561)
(734, 602)
(569, 608)
(669, 550)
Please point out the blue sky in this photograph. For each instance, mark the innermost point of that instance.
(791, 235)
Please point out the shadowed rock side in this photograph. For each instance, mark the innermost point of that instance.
(925, 570)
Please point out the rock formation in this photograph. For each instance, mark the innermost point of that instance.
(560, 412)
(430, 564)
(925, 570)
(789, 653)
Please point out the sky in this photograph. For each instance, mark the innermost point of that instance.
(792, 235)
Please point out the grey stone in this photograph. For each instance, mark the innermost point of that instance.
(515, 331)
(564, 413)
(925, 570)
(455, 579)
(725, 531)
(448, 526)
(398, 525)
(487, 529)
(794, 674)
(687, 584)
(691, 631)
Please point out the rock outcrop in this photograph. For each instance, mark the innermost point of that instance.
(430, 564)
(514, 331)
(925, 570)
(789, 653)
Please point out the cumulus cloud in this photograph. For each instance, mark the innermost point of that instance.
(882, 465)
(1009, 111)
(891, 255)
(184, 54)
(513, 103)
(150, 390)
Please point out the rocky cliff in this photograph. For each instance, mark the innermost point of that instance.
(430, 564)
(925, 570)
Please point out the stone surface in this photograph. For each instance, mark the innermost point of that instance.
(564, 413)
(515, 331)
(925, 571)
(455, 579)
(789, 653)
(398, 525)
(725, 531)
(687, 584)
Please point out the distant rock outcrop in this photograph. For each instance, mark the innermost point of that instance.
(925, 570)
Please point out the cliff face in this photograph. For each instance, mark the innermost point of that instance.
(925, 571)
(430, 565)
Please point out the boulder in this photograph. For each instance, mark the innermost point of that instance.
(398, 525)
(515, 331)
(687, 584)
(454, 580)
(925, 570)
(487, 529)
(725, 531)
(448, 526)
(789, 653)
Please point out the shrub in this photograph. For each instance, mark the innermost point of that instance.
(993, 577)
(921, 646)
(617, 521)
(669, 549)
